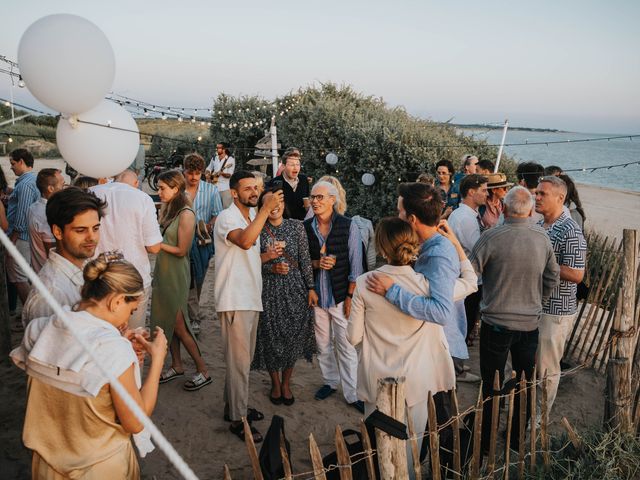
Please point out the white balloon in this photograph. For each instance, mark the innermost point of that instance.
(331, 158)
(368, 179)
(66, 62)
(103, 147)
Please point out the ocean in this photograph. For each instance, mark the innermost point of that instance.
(570, 155)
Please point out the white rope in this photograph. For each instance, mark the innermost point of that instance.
(164, 445)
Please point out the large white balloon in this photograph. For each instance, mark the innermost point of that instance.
(103, 142)
(331, 158)
(66, 62)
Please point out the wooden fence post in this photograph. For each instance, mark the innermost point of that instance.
(344, 462)
(544, 419)
(476, 459)
(251, 448)
(286, 464)
(434, 441)
(392, 452)
(495, 420)
(523, 424)
(316, 459)
(457, 467)
(534, 423)
(413, 441)
(510, 413)
(618, 391)
(226, 472)
(368, 451)
(573, 436)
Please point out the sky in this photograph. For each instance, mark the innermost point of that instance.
(570, 65)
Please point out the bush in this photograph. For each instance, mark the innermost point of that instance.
(367, 136)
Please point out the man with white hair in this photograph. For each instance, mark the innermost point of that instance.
(570, 249)
(519, 272)
(336, 255)
(130, 224)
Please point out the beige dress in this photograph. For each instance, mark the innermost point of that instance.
(74, 437)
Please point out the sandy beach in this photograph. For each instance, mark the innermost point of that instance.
(193, 423)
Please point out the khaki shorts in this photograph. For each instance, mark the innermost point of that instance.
(14, 272)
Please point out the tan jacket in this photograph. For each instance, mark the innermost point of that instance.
(395, 344)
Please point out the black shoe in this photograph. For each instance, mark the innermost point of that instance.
(324, 392)
(288, 401)
(276, 400)
(358, 405)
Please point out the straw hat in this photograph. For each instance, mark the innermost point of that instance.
(497, 180)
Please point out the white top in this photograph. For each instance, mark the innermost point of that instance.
(395, 344)
(464, 223)
(39, 233)
(63, 280)
(216, 164)
(238, 282)
(130, 224)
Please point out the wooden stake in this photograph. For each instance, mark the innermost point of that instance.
(227, 473)
(476, 459)
(495, 419)
(316, 459)
(434, 441)
(534, 423)
(413, 441)
(507, 448)
(344, 462)
(251, 448)
(573, 436)
(523, 424)
(544, 436)
(286, 464)
(457, 468)
(368, 451)
(392, 452)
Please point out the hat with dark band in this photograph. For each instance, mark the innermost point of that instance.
(497, 180)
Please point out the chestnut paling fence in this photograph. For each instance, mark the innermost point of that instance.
(604, 338)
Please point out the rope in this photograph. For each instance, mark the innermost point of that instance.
(164, 445)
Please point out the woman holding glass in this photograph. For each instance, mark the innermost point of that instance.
(286, 329)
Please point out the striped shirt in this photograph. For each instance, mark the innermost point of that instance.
(207, 203)
(23, 196)
(570, 248)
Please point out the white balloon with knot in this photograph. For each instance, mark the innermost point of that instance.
(68, 64)
(331, 158)
(368, 179)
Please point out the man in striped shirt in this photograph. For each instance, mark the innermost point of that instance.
(25, 193)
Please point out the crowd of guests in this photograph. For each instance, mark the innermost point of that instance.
(295, 277)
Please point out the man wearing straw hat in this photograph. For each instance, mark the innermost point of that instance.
(497, 187)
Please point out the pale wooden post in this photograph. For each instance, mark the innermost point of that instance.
(509, 425)
(523, 424)
(534, 423)
(226, 472)
(251, 448)
(368, 451)
(434, 441)
(544, 419)
(618, 394)
(316, 459)
(413, 441)
(476, 459)
(344, 462)
(392, 452)
(495, 419)
(573, 436)
(457, 473)
(286, 464)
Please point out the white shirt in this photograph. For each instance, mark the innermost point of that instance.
(63, 280)
(39, 233)
(216, 165)
(238, 282)
(130, 224)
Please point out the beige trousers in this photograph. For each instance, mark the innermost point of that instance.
(239, 330)
(553, 333)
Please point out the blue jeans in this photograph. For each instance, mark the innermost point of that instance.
(495, 345)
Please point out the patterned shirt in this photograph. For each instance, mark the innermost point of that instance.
(570, 248)
(23, 196)
(207, 203)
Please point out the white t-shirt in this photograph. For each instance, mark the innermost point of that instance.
(39, 233)
(238, 282)
(130, 224)
(216, 164)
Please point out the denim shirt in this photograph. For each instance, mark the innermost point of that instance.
(439, 263)
(24, 195)
(323, 279)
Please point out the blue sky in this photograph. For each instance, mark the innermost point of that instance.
(571, 65)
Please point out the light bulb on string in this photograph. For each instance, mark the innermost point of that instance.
(193, 119)
(208, 124)
(202, 124)
(199, 139)
(146, 113)
(7, 103)
(179, 118)
(164, 116)
(10, 140)
(20, 81)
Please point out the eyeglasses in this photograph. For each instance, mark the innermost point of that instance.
(317, 197)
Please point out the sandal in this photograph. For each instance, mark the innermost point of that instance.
(253, 415)
(197, 382)
(170, 374)
(238, 431)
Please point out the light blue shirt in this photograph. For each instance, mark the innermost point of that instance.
(24, 195)
(207, 203)
(323, 279)
(440, 264)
